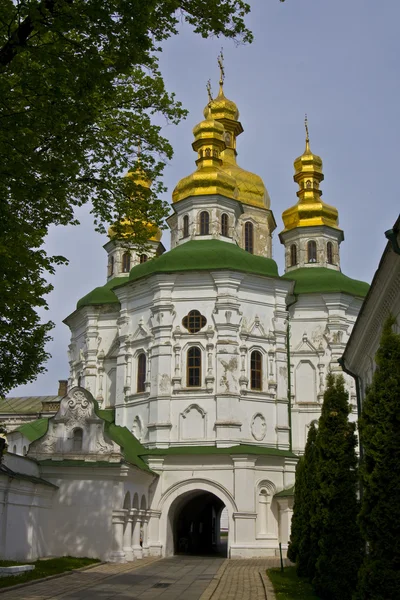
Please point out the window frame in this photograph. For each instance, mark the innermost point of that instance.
(141, 366)
(329, 253)
(204, 222)
(193, 368)
(293, 255)
(310, 258)
(185, 232)
(256, 371)
(224, 225)
(77, 440)
(126, 262)
(249, 237)
(143, 258)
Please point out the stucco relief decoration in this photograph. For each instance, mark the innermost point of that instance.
(79, 409)
(258, 427)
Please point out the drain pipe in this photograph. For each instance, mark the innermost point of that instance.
(289, 390)
(358, 395)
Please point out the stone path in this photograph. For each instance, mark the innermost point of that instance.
(176, 578)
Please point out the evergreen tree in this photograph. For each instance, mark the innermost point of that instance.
(297, 526)
(379, 576)
(335, 519)
(303, 544)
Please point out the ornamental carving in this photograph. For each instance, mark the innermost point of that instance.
(258, 427)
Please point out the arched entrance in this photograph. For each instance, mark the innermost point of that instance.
(195, 520)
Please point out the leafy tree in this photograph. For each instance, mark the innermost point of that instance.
(379, 576)
(80, 89)
(339, 538)
(303, 544)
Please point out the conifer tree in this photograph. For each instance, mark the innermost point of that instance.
(379, 576)
(303, 544)
(335, 520)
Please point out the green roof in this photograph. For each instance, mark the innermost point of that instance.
(131, 448)
(312, 280)
(240, 449)
(103, 294)
(33, 430)
(288, 492)
(197, 255)
(25, 405)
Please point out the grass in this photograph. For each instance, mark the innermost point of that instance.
(44, 568)
(288, 586)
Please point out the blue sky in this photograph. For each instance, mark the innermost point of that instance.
(337, 61)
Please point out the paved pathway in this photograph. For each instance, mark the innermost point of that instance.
(176, 578)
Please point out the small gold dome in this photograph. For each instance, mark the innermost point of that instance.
(310, 210)
(222, 108)
(209, 178)
(251, 188)
(155, 232)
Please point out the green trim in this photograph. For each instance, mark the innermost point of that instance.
(288, 492)
(211, 450)
(313, 280)
(206, 255)
(34, 430)
(102, 294)
(197, 255)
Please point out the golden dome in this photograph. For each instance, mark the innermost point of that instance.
(222, 108)
(310, 210)
(209, 178)
(155, 233)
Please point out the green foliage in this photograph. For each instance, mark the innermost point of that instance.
(289, 586)
(80, 89)
(44, 568)
(335, 520)
(379, 576)
(305, 545)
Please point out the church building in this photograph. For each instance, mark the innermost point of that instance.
(195, 373)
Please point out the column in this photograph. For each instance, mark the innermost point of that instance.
(127, 547)
(118, 520)
(145, 546)
(136, 547)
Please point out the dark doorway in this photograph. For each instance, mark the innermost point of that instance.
(197, 526)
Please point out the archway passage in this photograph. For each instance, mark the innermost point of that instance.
(197, 523)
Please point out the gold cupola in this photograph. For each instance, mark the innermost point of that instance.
(209, 178)
(310, 210)
(154, 232)
(251, 188)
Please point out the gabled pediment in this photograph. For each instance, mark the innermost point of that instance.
(305, 347)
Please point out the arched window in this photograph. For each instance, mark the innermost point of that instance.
(15, 449)
(204, 223)
(111, 266)
(224, 225)
(329, 253)
(24, 451)
(143, 258)
(77, 440)
(126, 262)
(194, 367)
(185, 226)
(256, 370)
(293, 255)
(312, 252)
(248, 237)
(141, 372)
